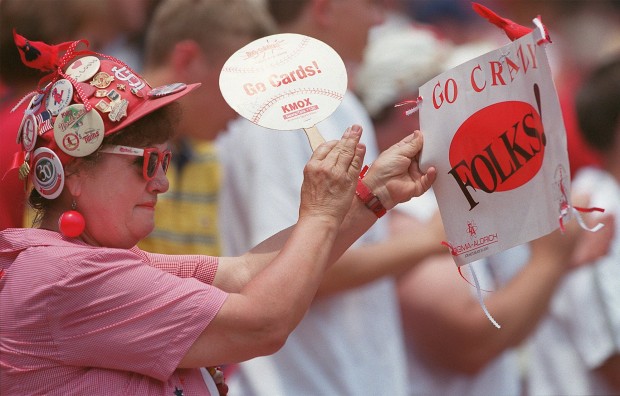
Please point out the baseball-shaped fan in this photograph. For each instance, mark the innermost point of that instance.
(285, 82)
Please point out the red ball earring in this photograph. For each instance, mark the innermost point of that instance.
(71, 223)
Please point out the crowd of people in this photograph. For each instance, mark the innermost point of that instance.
(215, 256)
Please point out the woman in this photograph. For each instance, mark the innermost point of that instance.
(84, 311)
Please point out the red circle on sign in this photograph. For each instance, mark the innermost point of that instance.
(499, 148)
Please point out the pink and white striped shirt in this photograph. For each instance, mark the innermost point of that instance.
(79, 319)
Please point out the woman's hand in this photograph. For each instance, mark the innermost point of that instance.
(331, 175)
(396, 176)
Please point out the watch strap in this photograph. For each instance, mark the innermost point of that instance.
(369, 199)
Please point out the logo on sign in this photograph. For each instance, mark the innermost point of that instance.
(499, 148)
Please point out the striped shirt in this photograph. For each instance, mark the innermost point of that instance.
(186, 216)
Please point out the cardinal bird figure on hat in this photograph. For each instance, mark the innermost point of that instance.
(512, 29)
(47, 58)
(39, 55)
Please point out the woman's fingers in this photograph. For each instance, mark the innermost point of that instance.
(351, 156)
(344, 155)
(331, 174)
(323, 150)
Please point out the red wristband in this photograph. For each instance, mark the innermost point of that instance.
(369, 199)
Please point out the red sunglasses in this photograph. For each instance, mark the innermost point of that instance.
(152, 157)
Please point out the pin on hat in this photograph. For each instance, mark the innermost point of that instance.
(84, 68)
(29, 132)
(78, 132)
(48, 177)
(59, 96)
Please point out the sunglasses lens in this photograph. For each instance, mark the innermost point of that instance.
(166, 162)
(151, 167)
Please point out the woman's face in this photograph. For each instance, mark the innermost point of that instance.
(116, 201)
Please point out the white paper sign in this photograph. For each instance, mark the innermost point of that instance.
(493, 128)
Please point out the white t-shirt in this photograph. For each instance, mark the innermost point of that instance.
(347, 344)
(582, 329)
(501, 376)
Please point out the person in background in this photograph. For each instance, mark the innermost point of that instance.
(119, 34)
(85, 311)
(452, 347)
(40, 21)
(583, 32)
(191, 40)
(350, 343)
(576, 350)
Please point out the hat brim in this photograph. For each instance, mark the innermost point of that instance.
(150, 105)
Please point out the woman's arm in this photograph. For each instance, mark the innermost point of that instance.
(395, 177)
(279, 278)
(287, 268)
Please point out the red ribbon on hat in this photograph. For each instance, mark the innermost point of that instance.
(18, 160)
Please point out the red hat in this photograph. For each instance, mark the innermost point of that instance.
(85, 97)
